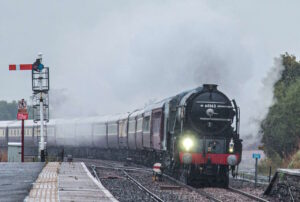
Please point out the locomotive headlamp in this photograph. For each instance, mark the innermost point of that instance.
(231, 146)
(187, 143)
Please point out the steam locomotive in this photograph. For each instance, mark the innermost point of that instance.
(194, 134)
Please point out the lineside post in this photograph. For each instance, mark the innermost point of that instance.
(256, 156)
(42, 129)
(256, 172)
(22, 115)
(22, 140)
(40, 87)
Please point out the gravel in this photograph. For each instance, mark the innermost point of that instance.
(120, 187)
(182, 194)
(226, 195)
(125, 190)
(249, 187)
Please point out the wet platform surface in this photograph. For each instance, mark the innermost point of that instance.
(16, 180)
(77, 184)
(45, 188)
(67, 182)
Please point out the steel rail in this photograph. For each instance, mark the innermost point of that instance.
(247, 195)
(201, 192)
(152, 195)
(125, 168)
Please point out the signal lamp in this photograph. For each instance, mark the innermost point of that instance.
(231, 146)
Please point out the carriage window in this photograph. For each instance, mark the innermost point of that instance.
(146, 124)
(122, 128)
(139, 125)
(112, 129)
(99, 130)
(156, 124)
(132, 126)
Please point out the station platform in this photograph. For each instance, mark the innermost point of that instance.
(16, 180)
(67, 182)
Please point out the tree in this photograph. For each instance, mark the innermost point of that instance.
(9, 110)
(281, 127)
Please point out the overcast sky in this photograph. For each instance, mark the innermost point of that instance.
(114, 56)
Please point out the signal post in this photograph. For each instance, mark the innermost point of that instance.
(40, 88)
(22, 115)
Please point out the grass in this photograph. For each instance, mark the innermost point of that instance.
(292, 162)
(295, 161)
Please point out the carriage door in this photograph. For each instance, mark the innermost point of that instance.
(156, 128)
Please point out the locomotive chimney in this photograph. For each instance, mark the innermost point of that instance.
(210, 87)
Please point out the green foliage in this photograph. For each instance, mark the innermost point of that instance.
(281, 127)
(9, 110)
(265, 164)
(295, 161)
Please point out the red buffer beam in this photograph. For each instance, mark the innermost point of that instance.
(20, 67)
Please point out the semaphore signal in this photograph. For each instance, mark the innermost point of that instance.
(40, 88)
(14, 67)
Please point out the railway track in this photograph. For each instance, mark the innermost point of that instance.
(248, 195)
(152, 195)
(139, 175)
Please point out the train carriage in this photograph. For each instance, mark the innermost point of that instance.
(50, 132)
(83, 132)
(146, 130)
(139, 130)
(122, 131)
(112, 134)
(100, 133)
(3, 140)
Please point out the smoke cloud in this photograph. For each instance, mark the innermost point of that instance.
(261, 104)
(110, 57)
(150, 51)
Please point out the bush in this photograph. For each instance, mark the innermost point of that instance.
(265, 164)
(281, 127)
(295, 161)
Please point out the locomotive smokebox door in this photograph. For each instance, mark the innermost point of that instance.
(210, 111)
